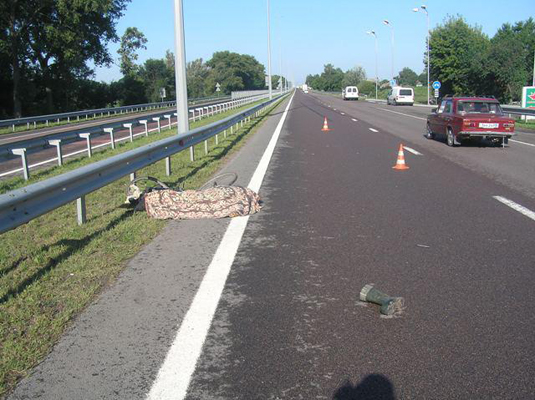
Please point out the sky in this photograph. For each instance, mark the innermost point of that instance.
(307, 34)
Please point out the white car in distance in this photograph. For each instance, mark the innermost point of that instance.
(351, 93)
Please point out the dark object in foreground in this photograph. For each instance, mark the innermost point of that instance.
(389, 305)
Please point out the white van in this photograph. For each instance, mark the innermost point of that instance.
(351, 93)
(400, 95)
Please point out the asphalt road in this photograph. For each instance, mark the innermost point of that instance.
(289, 324)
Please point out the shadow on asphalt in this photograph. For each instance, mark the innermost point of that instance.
(372, 387)
(483, 144)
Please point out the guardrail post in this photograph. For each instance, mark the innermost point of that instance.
(22, 153)
(87, 137)
(157, 119)
(206, 147)
(145, 122)
(112, 136)
(199, 113)
(129, 126)
(225, 133)
(192, 153)
(168, 166)
(132, 176)
(211, 108)
(216, 139)
(192, 113)
(57, 143)
(207, 113)
(81, 211)
(168, 116)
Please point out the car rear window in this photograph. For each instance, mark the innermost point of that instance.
(405, 92)
(478, 107)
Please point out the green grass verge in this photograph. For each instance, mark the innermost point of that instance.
(51, 268)
(526, 125)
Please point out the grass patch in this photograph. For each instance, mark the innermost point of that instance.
(527, 125)
(51, 268)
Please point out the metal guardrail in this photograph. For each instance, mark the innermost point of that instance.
(99, 111)
(197, 112)
(22, 205)
(515, 110)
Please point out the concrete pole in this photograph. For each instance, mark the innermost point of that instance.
(180, 73)
(428, 57)
(269, 52)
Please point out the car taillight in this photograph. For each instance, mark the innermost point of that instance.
(469, 123)
(509, 125)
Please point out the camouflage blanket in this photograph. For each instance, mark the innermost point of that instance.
(216, 202)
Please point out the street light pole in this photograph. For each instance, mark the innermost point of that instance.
(387, 22)
(269, 53)
(424, 8)
(180, 70)
(376, 73)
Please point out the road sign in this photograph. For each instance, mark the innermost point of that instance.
(436, 93)
(392, 83)
(217, 87)
(162, 93)
(528, 96)
(436, 85)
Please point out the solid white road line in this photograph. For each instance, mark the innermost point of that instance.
(517, 207)
(411, 150)
(517, 141)
(353, 119)
(407, 115)
(175, 373)
(342, 113)
(373, 130)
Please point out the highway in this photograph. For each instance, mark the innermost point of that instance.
(284, 284)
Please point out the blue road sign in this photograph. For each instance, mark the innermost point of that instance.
(436, 85)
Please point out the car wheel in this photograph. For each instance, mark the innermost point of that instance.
(429, 134)
(450, 139)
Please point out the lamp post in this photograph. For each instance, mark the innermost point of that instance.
(376, 74)
(423, 8)
(269, 53)
(389, 24)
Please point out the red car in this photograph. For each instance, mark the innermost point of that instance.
(470, 118)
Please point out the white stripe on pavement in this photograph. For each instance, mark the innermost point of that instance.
(411, 150)
(517, 207)
(353, 119)
(175, 373)
(373, 130)
(342, 113)
(407, 115)
(518, 141)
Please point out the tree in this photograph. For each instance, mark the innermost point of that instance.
(422, 78)
(354, 76)
(131, 42)
(234, 72)
(196, 74)
(155, 75)
(510, 59)
(367, 88)
(407, 77)
(58, 38)
(332, 78)
(457, 54)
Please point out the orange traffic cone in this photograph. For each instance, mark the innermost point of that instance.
(325, 125)
(400, 164)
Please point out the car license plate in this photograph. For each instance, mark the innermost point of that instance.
(487, 125)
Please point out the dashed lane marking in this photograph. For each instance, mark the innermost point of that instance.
(353, 119)
(518, 141)
(176, 371)
(407, 115)
(411, 150)
(342, 113)
(517, 207)
(373, 130)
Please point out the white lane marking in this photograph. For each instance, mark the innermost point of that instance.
(373, 130)
(353, 119)
(517, 207)
(518, 141)
(175, 373)
(411, 150)
(77, 152)
(335, 109)
(342, 113)
(407, 115)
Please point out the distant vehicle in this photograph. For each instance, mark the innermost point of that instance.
(470, 118)
(305, 88)
(400, 95)
(350, 93)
